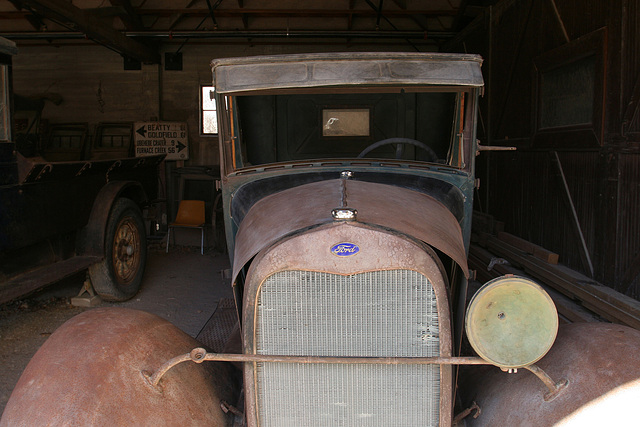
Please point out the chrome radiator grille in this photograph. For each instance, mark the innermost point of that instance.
(379, 313)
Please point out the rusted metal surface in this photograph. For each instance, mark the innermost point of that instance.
(615, 408)
(405, 211)
(595, 358)
(464, 414)
(89, 373)
(340, 69)
(199, 355)
(379, 250)
(554, 388)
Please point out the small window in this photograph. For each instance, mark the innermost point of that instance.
(346, 122)
(209, 112)
(567, 94)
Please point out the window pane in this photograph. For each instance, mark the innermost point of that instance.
(209, 122)
(345, 122)
(207, 102)
(568, 94)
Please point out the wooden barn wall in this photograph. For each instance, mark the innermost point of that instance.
(95, 87)
(628, 245)
(90, 81)
(520, 40)
(631, 71)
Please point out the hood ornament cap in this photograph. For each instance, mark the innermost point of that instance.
(344, 214)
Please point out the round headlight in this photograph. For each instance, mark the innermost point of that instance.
(511, 322)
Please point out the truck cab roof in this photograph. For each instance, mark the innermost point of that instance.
(345, 69)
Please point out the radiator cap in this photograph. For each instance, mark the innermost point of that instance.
(511, 322)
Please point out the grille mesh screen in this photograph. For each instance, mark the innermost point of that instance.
(380, 313)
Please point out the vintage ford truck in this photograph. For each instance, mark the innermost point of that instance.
(348, 185)
(59, 217)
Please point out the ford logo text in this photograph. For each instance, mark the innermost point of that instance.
(345, 249)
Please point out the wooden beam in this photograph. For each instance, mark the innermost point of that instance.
(402, 4)
(631, 111)
(457, 22)
(556, 13)
(630, 275)
(212, 14)
(479, 259)
(180, 16)
(515, 60)
(575, 223)
(32, 18)
(131, 19)
(606, 302)
(78, 19)
(530, 248)
(298, 13)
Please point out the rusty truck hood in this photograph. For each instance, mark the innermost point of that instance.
(406, 211)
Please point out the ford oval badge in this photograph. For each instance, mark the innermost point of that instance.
(345, 249)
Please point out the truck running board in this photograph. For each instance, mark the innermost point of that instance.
(43, 276)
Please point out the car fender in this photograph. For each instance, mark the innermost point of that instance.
(91, 239)
(91, 371)
(408, 212)
(596, 359)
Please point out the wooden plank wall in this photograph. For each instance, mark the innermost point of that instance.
(600, 162)
(95, 87)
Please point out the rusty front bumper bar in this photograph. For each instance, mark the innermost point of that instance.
(199, 355)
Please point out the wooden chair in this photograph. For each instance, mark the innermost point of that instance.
(190, 215)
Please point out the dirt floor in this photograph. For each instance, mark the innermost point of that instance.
(183, 287)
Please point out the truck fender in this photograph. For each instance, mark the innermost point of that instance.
(92, 237)
(93, 371)
(600, 363)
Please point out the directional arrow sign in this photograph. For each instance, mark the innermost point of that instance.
(170, 138)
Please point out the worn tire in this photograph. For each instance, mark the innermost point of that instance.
(119, 275)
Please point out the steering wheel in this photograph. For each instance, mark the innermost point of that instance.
(400, 143)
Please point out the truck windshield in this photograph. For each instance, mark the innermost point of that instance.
(399, 124)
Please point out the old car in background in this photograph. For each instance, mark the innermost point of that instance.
(348, 184)
(68, 206)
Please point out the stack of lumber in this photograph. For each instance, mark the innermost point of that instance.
(577, 297)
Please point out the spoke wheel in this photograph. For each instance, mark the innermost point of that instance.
(118, 277)
(126, 250)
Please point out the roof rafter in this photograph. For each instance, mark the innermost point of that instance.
(131, 19)
(95, 28)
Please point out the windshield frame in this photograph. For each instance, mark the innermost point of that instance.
(232, 150)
